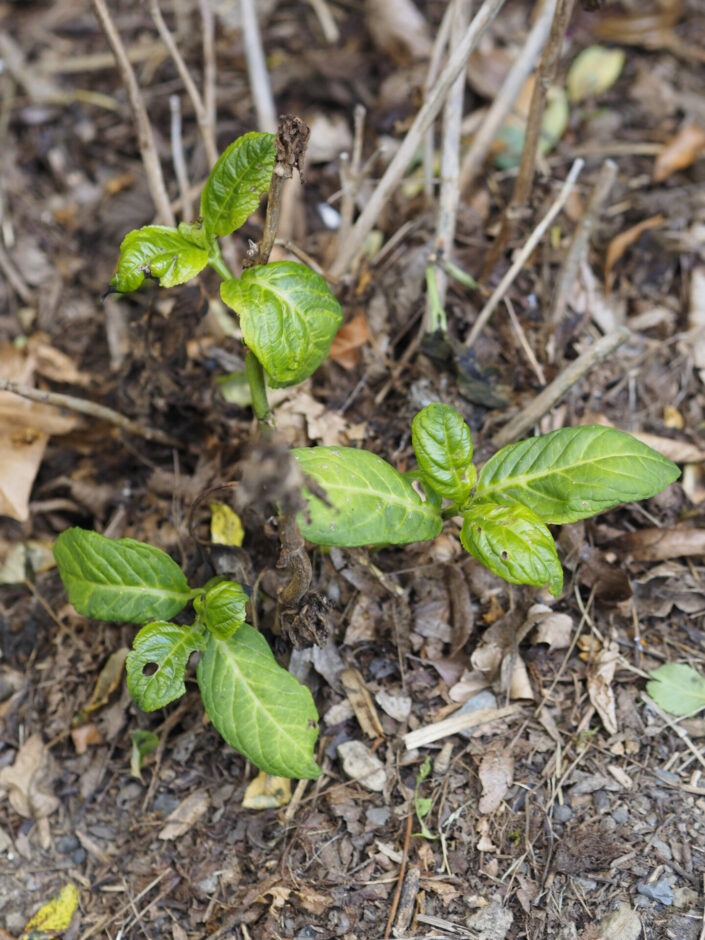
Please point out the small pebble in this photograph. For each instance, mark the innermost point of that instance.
(620, 815)
(562, 813)
(660, 891)
(377, 815)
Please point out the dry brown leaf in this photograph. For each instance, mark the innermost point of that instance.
(624, 240)
(84, 736)
(680, 151)
(26, 781)
(361, 701)
(599, 684)
(554, 628)
(360, 764)
(54, 364)
(186, 814)
(349, 338)
(398, 29)
(655, 544)
(108, 681)
(496, 772)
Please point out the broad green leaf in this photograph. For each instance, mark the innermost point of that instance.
(236, 183)
(222, 608)
(677, 688)
(158, 251)
(288, 318)
(513, 543)
(157, 663)
(574, 473)
(443, 449)
(119, 579)
(258, 707)
(370, 503)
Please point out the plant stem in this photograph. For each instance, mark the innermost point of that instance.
(253, 367)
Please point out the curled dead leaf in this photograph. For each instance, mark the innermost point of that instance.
(599, 685)
(624, 240)
(496, 772)
(680, 151)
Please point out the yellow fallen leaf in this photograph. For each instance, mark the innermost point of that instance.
(226, 528)
(54, 916)
(265, 792)
(593, 71)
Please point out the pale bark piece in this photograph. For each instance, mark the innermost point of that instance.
(361, 765)
(496, 773)
(362, 703)
(599, 685)
(186, 815)
(624, 923)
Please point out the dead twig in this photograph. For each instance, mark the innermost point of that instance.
(145, 137)
(178, 158)
(545, 76)
(260, 86)
(204, 124)
(209, 74)
(90, 408)
(351, 177)
(531, 242)
(414, 136)
(557, 390)
(434, 67)
(400, 877)
(502, 104)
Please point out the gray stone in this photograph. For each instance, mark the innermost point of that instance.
(660, 891)
(562, 813)
(492, 922)
(484, 699)
(378, 815)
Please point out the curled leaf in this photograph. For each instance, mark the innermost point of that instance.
(593, 71)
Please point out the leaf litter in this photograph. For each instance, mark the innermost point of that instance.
(422, 631)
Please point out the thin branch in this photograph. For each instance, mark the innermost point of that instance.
(396, 169)
(351, 177)
(260, 86)
(557, 390)
(501, 106)
(209, 75)
(522, 256)
(177, 157)
(448, 197)
(81, 406)
(434, 67)
(326, 20)
(545, 76)
(188, 82)
(145, 137)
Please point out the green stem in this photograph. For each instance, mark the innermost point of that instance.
(253, 367)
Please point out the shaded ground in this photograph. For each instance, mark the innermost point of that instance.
(581, 802)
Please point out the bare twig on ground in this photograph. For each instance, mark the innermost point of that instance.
(178, 159)
(209, 76)
(414, 136)
(145, 137)
(260, 86)
(502, 104)
(400, 876)
(531, 242)
(91, 409)
(207, 131)
(524, 342)
(326, 20)
(557, 390)
(544, 79)
(450, 165)
(458, 722)
(434, 67)
(581, 237)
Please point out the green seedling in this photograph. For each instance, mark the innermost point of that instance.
(255, 704)
(422, 804)
(559, 477)
(287, 314)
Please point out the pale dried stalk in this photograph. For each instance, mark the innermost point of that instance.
(560, 386)
(434, 67)
(145, 137)
(501, 106)
(178, 158)
(396, 169)
(456, 723)
(450, 162)
(204, 125)
(209, 71)
(531, 242)
(260, 86)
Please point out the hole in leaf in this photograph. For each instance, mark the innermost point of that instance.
(504, 556)
(149, 669)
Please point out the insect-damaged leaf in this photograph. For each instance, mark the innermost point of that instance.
(158, 251)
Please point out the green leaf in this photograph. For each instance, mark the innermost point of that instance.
(677, 688)
(258, 707)
(119, 579)
(443, 449)
(157, 663)
(236, 183)
(143, 743)
(288, 317)
(158, 251)
(593, 71)
(513, 543)
(370, 503)
(222, 608)
(574, 473)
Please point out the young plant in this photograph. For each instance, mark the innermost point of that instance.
(255, 704)
(288, 316)
(559, 477)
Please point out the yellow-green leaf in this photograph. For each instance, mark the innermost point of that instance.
(54, 916)
(593, 71)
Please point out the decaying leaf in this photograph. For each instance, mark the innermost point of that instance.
(553, 628)
(26, 780)
(654, 544)
(677, 688)
(348, 340)
(267, 792)
(360, 764)
(680, 151)
(53, 917)
(362, 703)
(593, 71)
(496, 772)
(398, 28)
(599, 684)
(186, 814)
(226, 527)
(108, 681)
(624, 240)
